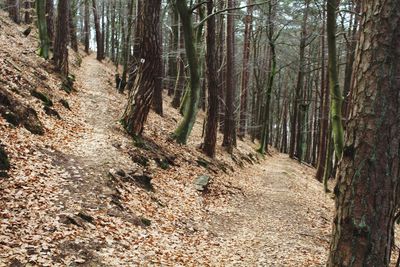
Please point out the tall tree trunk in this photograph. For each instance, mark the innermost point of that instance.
(157, 104)
(336, 94)
(72, 25)
(49, 19)
(42, 26)
(99, 37)
(180, 78)
(210, 138)
(173, 50)
(229, 140)
(248, 25)
(27, 13)
(107, 39)
(126, 45)
(295, 127)
(367, 187)
(87, 26)
(113, 30)
(324, 109)
(60, 56)
(265, 132)
(182, 133)
(13, 7)
(149, 69)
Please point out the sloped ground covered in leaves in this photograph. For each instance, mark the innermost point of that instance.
(85, 193)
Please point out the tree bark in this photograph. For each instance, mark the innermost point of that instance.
(369, 172)
(86, 26)
(335, 92)
(149, 69)
(324, 110)
(42, 26)
(295, 128)
(248, 24)
(99, 37)
(49, 19)
(229, 140)
(13, 7)
(60, 56)
(182, 133)
(72, 26)
(27, 13)
(210, 138)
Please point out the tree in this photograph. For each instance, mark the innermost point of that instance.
(126, 45)
(60, 56)
(13, 7)
(149, 69)
(265, 132)
(210, 137)
(72, 25)
(99, 36)
(248, 24)
(27, 15)
(296, 128)
(324, 110)
(336, 94)
(86, 26)
(49, 19)
(183, 130)
(42, 26)
(369, 172)
(181, 76)
(229, 140)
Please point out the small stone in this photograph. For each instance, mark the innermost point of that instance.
(202, 182)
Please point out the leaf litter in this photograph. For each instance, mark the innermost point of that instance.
(70, 199)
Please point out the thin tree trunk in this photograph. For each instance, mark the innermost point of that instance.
(99, 37)
(87, 26)
(50, 19)
(60, 56)
(72, 26)
(245, 70)
(336, 94)
(27, 13)
(42, 26)
(295, 126)
(230, 114)
(13, 7)
(210, 138)
(182, 133)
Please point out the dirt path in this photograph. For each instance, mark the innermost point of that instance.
(283, 220)
(89, 158)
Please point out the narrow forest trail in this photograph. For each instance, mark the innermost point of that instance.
(268, 214)
(282, 219)
(89, 157)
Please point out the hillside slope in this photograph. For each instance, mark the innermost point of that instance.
(84, 193)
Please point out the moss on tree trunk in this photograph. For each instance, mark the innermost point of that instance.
(182, 133)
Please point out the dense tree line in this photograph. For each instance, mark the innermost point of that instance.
(280, 73)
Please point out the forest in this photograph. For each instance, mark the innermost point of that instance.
(199, 133)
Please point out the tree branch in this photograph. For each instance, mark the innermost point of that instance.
(197, 6)
(228, 9)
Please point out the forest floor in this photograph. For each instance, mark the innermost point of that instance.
(268, 214)
(270, 222)
(79, 194)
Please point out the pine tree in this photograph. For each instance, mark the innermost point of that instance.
(369, 172)
(149, 69)
(61, 39)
